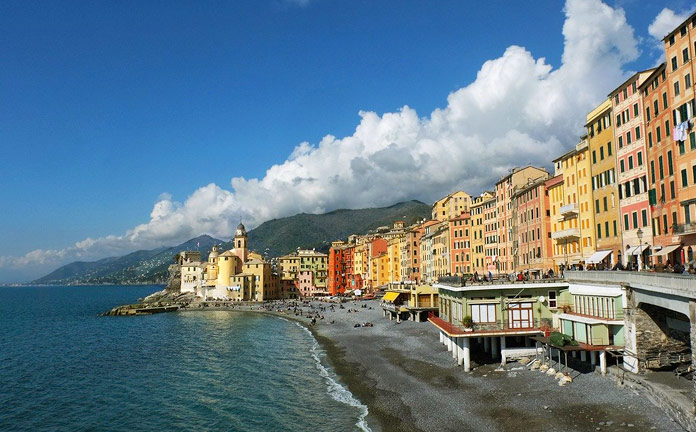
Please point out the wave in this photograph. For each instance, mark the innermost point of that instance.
(337, 391)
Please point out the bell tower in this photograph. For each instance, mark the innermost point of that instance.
(241, 248)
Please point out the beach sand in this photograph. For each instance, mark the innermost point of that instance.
(410, 382)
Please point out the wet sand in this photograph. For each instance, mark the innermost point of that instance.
(410, 382)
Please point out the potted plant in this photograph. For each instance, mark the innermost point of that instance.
(468, 323)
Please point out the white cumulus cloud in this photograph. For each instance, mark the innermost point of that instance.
(519, 110)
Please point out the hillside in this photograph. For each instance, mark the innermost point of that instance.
(284, 235)
(275, 237)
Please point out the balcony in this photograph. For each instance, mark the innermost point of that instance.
(566, 234)
(685, 229)
(569, 210)
(594, 311)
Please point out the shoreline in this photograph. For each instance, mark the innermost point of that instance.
(409, 382)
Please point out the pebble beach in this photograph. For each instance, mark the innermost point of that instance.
(410, 382)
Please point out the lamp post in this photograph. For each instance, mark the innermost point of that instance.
(640, 247)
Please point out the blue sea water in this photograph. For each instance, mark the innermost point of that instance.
(64, 368)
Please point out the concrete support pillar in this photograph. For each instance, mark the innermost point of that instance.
(494, 348)
(583, 356)
(441, 338)
(603, 362)
(449, 344)
(455, 348)
(487, 344)
(593, 358)
(460, 351)
(417, 316)
(398, 317)
(466, 342)
(390, 316)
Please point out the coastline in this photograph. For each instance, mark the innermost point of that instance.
(409, 381)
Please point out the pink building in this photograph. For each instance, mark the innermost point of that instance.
(305, 284)
(632, 168)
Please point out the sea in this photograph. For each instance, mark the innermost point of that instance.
(63, 367)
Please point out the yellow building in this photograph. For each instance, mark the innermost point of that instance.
(573, 229)
(441, 250)
(605, 194)
(394, 258)
(477, 237)
(451, 206)
(263, 285)
(379, 270)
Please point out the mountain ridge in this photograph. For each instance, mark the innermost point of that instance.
(272, 238)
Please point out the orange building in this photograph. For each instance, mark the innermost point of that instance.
(460, 246)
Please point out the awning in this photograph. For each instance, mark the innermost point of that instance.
(638, 250)
(390, 296)
(597, 257)
(666, 250)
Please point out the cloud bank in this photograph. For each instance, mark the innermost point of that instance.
(519, 110)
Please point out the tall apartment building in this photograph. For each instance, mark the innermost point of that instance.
(573, 231)
(460, 245)
(680, 49)
(661, 175)
(478, 243)
(605, 194)
(505, 222)
(532, 231)
(632, 168)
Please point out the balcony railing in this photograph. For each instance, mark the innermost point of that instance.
(686, 228)
(569, 210)
(597, 312)
(499, 325)
(566, 233)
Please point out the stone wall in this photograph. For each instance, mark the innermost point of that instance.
(658, 344)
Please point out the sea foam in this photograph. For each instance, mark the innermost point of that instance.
(337, 391)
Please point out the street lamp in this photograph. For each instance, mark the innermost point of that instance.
(640, 247)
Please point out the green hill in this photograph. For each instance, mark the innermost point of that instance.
(272, 238)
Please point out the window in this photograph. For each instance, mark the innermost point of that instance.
(684, 178)
(682, 31)
(650, 139)
(669, 162)
(599, 231)
(638, 132)
(640, 158)
(672, 194)
(647, 113)
(664, 101)
(659, 136)
(620, 142)
(652, 171)
(667, 128)
(656, 107)
(630, 162)
(606, 229)
(693, 174)
(618, 120)
(552, 300)
(635, 219)
(605, 204)
(674, 63)
(662, 172)
(596, 206)
(622, 165)
(601, 153)
(676, 88)
(594, 156)
(685, 54)
(687, 82)
(628, 137)
(608, 149)
(626, 228)
(483, 313)
(635, 110)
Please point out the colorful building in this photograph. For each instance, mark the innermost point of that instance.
(451, 206)
(605, 194)
(632, 169)
(532, 228)
(460, 245)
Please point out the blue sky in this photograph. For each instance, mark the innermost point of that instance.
(114, 114)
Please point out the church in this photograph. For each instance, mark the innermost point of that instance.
(233, 275)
